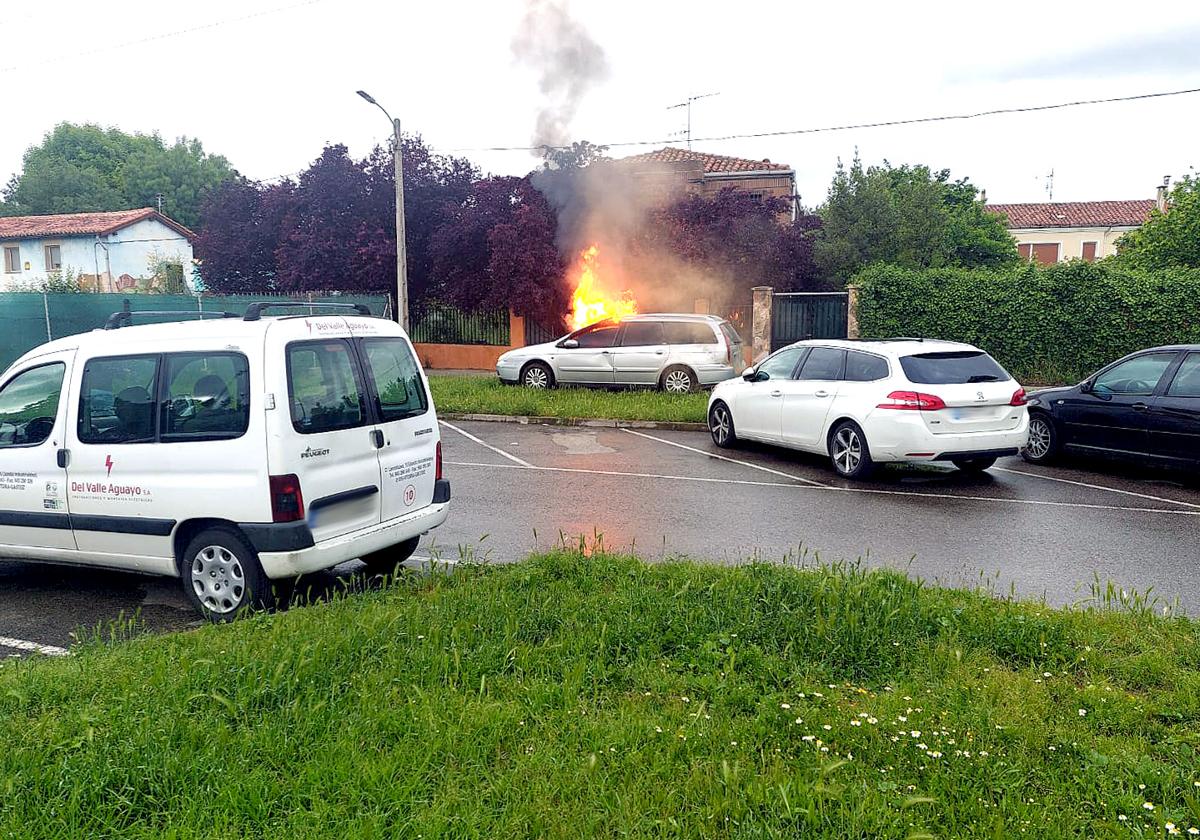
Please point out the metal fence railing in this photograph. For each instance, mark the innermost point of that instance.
(436, 323)
(537, 332)
(33, 318)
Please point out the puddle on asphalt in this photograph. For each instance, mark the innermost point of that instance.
(580, 443)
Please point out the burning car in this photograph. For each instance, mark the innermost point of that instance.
(676, 353)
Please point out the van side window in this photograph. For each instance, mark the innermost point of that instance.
(116, 400)
(323, 387)
(207, 396)
(29, 404)
(391, 366)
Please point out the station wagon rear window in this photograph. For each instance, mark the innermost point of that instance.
(323, 387)
(689, 332)
(955, 367)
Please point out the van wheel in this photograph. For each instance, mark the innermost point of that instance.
(222, 576)
(537, 375)
(849, 451)
(678, 380)
(385, 561)
(720, 425)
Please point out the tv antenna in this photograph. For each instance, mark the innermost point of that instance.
(687, 103)
(1050, 186)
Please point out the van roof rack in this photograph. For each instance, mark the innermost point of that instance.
(254, 310)
(124, 318)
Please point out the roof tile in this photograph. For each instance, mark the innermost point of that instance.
(81, 224)
(1068, 214)
(712, 163)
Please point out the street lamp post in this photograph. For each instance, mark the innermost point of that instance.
(401, 256)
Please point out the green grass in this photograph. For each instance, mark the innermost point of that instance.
(571, 696)
(486, 395)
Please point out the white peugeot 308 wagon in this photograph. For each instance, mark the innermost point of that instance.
(228, 453)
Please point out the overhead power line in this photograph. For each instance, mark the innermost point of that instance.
(59, 58)
(880, 124)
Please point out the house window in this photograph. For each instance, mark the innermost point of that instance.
(1045, 253)
(1025, 251)
(12, 259)
(1089, 251)
(53, 258)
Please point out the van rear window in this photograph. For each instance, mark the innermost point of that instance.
(323, 388)
(956, 367)
(392, 368)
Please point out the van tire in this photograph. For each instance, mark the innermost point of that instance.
(678, 379)
(222, 577)
(386, 561)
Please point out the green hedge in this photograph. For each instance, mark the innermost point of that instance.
(1054, 324)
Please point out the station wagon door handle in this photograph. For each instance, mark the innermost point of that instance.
(821, 394)
(777, 393)
(659, 352)
(1139, 406)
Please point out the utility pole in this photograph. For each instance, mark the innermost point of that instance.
(688, 104)
(401, 250)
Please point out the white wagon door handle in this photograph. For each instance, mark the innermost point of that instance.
(821, 394)
(777, 393)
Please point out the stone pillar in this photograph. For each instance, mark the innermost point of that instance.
(852, 312)
(516, 329)
(760, 322)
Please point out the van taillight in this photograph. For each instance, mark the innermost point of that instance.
(437, 470)
(287, 503)
(1018, 397)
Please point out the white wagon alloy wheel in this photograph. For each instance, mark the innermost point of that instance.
(218, 579)
(1040, 438)
(678, 381)
(720, 424)
(847, 450)
(536, 376)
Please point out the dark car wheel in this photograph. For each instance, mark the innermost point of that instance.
(1042, 445)
(385, 561)
(849, 451)
(720, 425)
(537, 375)
(222, 576)
(974, 465)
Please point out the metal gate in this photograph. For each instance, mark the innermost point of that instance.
(799, 315)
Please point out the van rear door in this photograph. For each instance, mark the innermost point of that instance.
(407, 424)
(328, 442)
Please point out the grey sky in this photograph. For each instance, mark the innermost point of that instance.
(269, 90)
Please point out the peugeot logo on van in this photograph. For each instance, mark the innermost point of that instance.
(313, 453)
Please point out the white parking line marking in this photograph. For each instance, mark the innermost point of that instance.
(33, 647)
(726, 458)
(1097, 487)
(498, 451)
(827, 488)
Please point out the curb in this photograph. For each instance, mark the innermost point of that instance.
(585, 422)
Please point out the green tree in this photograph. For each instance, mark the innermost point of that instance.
(908, 216)
(1171, 239)
(81, 168)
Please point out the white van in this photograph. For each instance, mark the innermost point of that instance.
(228, 452)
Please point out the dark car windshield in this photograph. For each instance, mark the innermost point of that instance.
(952, 368)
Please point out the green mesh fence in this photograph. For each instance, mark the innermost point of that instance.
(31, 318)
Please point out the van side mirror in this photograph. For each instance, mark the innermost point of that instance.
(569, 344)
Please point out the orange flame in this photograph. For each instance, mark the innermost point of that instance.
(589, 304)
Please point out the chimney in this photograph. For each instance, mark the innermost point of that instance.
(983, 196)
(1160, 194)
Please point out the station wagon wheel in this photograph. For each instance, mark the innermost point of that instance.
(1042, 445)
(678, 380)
(537, 375)
(720, 425)
(849, 451)
(222, 576)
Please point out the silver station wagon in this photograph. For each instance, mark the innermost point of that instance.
(676, 353)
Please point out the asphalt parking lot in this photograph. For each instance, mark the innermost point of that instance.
(1037, 532)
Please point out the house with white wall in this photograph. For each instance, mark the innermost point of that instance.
(105, 252)
(1051, 232)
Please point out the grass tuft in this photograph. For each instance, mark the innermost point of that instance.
(572, 695)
